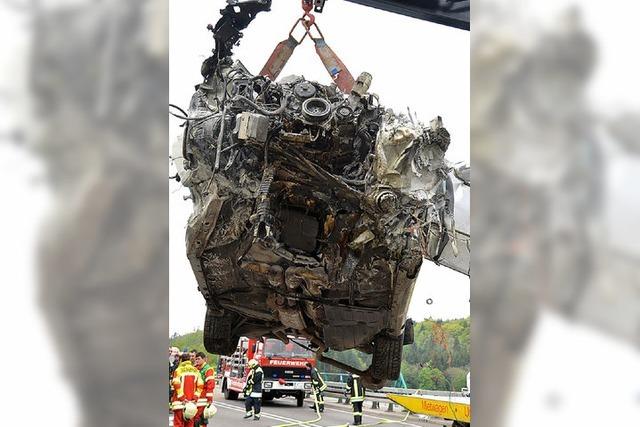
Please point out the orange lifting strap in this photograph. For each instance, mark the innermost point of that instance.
(283, 51)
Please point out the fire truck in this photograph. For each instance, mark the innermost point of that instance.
(285, 373)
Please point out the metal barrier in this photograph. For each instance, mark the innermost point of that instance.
(342, 377)
(339, 377)
(380, 396)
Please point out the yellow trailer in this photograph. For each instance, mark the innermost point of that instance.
(455, 408)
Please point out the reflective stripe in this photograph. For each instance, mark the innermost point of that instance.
(177, 405)
(356, 388)
(357, 413)
(357, 399)
(209, 394)
(210, 378)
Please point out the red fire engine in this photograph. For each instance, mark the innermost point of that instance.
(285, 373)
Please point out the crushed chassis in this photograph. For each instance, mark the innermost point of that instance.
(312, 211)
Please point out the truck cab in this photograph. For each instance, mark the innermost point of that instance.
(283, 364)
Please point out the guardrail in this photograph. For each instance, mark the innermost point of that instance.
(343, 377)
(380, 396)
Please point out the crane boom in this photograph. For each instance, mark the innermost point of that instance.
(453, 13)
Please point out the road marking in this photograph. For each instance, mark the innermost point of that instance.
(373, 416)
(308, 422)
(262, 413)
(265, 414)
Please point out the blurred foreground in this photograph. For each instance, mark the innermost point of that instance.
(86, 87)
(555, 271)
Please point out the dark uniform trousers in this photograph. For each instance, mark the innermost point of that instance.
(357, 412)
(253, 404)
(319, 399)
(357, 392)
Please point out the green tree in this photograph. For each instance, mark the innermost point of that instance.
(459, 381)
(457, 378)
(194, 340)
(432, 378)
(410, 374)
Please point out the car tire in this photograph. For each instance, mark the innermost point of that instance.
(387, 357)
(300, 400)
(229, 394)
(217, 335)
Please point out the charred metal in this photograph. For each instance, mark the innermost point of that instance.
(312, 210)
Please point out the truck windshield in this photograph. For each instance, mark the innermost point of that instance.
(276, 348)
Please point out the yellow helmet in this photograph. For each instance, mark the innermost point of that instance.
(190, 410)
(210, 411)
(253, 363)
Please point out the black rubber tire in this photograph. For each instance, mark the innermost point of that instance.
(387, 357)
(267, 397)
(229, 394)
(408, 332)
(217, 333)
(300, 400)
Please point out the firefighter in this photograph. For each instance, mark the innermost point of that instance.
(174, 361)
(206, 398)
(319, 386)
(187, 387)
(253, 390)
(356, 390)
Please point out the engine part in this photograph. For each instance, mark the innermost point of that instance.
(362, 84)
(228, 30)
(344, 113)
(251, 126)
(316, 109)
(304, 90)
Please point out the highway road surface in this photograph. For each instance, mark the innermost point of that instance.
(285, 411)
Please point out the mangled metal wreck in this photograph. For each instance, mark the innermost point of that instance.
(312, 210)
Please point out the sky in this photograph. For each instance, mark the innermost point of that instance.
(414, 63)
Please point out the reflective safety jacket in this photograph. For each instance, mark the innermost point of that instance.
(208, 377)
(187, 385)
(355, 388)
(254, 382)
(317, 381)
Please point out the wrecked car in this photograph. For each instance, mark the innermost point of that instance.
(313, 209)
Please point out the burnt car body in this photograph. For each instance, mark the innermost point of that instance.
(312, 212)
